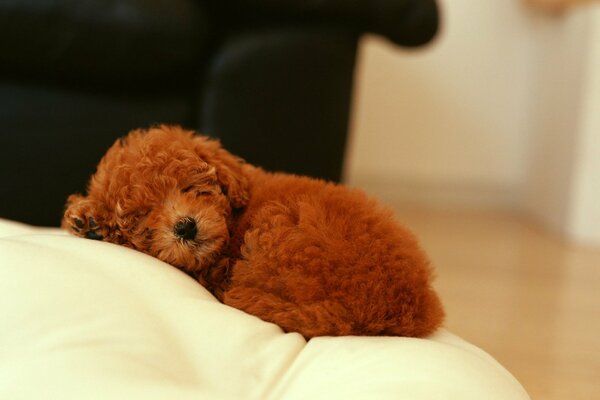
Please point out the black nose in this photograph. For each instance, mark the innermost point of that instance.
(186, 228)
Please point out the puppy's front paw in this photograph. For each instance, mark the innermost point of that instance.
(79, 218)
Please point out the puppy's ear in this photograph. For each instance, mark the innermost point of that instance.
(229, 170)
(81, 217)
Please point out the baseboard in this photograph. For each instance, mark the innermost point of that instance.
(401, 191)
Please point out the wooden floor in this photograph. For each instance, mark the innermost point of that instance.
(521, 294)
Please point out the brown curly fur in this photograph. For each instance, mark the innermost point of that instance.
(310, 256)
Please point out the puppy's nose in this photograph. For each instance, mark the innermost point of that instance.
(186, 228)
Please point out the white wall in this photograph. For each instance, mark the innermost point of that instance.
(585, 208)
(560, 57)
(501, 111)
(564, 174)
(449, 120)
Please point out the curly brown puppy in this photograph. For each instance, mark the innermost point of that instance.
(310, 256)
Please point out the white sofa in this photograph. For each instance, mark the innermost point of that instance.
(81, 319)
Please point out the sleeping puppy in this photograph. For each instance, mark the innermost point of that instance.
(313, 257)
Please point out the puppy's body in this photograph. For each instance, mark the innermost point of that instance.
(310, 256)
(325, 260)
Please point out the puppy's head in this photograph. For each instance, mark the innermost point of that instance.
(164, 192)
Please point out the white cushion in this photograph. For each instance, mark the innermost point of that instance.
(81, 319)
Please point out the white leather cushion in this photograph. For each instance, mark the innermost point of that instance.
(81, 319)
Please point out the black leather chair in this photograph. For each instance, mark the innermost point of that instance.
(271, 78)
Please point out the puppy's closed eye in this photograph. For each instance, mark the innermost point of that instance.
(196, 191)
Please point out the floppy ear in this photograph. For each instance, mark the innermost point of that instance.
(81, 217)
(229, 170)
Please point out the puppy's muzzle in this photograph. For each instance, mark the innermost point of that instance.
(186, 228)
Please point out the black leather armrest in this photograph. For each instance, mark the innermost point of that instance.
(405, 22)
